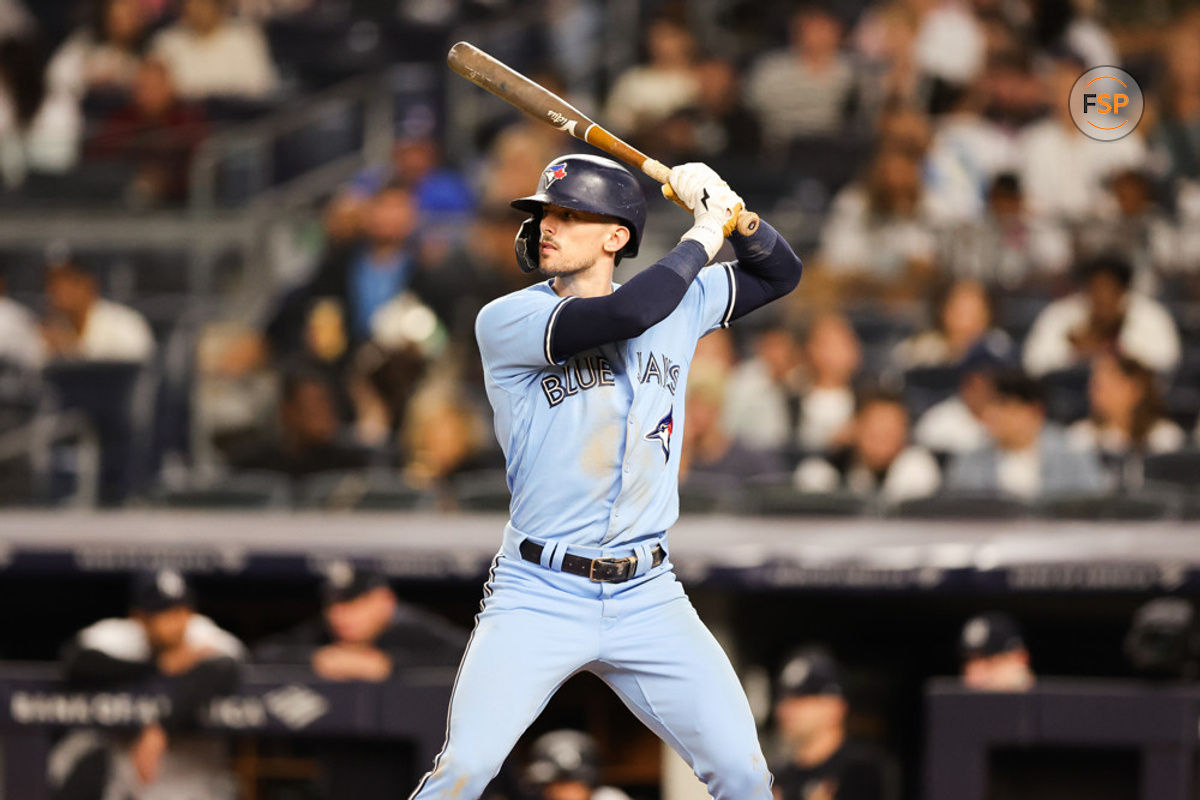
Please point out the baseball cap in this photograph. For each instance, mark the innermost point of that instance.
(344, 581)
(563, 755)
(990, 634)
(156, 591)
(809, 671)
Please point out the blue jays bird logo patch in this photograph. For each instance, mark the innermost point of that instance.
(662, 433)
(554, 172)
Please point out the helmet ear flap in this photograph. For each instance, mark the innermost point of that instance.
(528, 237)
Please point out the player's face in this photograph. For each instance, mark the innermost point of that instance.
(573, 241)
(362, 619)
(166, 629)
(802, 718)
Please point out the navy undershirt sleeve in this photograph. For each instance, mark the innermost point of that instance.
(645, 300)
(767, 270)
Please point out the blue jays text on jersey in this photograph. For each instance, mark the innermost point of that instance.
(589, 442)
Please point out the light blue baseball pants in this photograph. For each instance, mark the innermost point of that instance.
(538, 627)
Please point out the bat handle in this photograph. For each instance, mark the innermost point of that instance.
(747, 221)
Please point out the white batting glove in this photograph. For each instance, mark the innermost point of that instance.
(714, 204)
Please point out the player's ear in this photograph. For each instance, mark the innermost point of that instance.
(617, 239)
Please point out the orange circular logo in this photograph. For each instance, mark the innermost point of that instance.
(1106, 103)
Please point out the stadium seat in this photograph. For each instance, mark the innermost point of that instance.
(1066, 394)
(1100, 507)
(961, 505)
(927, 386)
(241, 490)
(1173, 469)
(776, 497)
(482, 490)
(361, 490)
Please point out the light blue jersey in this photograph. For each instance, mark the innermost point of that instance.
(592, 444)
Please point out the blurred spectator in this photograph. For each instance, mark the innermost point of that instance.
(210, 53)
(104, 55)
(884, 39)
(646, 94)
(20, 340)
(356, 280)
(442, 195)
(1127, 416)
(516, 159)
(994, 656)
(364, 632)
(879, 459)
(1134, 226)
(564, 765)
(482, 268)
(1027, 458)
(966, 154)
(819, 760)
(1177, 133)
(956, 424)
(950, 44)
(707, 449)
(156, 132)
(1072, 26)
(163, 638)
(443, 436)
(963, 316)
(876, 228)
(723, 125)
(15, 21)
(40, 128)
(1105, 316)
(307, 438)
(833, 356)
(764, 393)
(80, 324)
(1062, 170)
(805, 89)
(1009, 248)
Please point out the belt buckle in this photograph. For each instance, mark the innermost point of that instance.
(627, 564)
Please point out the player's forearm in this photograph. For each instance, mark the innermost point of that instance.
(768, 269)
(645, 300)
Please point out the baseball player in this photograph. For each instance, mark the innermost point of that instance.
(587, 380)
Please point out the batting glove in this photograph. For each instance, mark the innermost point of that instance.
(705, 194)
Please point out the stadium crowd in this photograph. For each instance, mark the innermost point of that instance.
(993, 302)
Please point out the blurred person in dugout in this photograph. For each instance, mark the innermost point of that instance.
(82, 325)
(162, 639)
(879, 460)
(364, 631)
(1105, 315)
(1026, 457)
(818, 758)
(565, 765)
(994, 656)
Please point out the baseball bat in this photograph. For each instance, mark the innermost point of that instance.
(534, 99)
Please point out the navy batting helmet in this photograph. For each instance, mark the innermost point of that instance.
(563, 756)
(584, 183)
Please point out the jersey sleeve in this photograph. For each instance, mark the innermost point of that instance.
(514, 333)
(716, 291)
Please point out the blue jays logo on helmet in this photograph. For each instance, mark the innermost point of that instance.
(662, 433)
(554, 172)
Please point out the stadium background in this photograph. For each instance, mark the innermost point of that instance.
(899, 147)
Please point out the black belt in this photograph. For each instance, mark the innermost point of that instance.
(607, 570)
